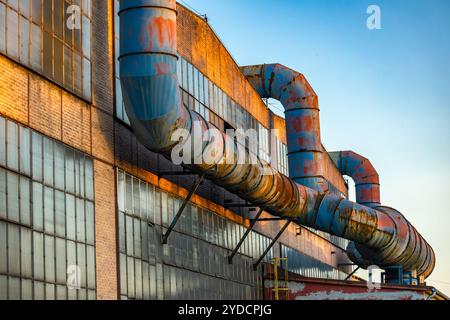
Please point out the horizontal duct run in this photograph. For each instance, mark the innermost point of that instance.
(148, 72)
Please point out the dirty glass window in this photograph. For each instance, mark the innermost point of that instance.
(196, 249)
(282, 158)
(38, 216)
(53, 37)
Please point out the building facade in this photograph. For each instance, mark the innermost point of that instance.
(83, 205)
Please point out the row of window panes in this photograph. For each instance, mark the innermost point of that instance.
(36, 34)
(307, 266)
(46, 220)
(31, 255)
(143, 201)
(199, 242)
(13, 288)
(45, 160)
(45, 209)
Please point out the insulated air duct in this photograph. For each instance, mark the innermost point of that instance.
(367, 181)
(152, 101)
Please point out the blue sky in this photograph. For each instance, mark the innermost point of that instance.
(383, 93)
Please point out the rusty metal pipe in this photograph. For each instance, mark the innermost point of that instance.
(378, 239)
(366, 178)
(153, 104)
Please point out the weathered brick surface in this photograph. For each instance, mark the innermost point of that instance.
(103, 55)
(13, 91)
(76, 123)
(105, 232)
(45, 106)
(103, 135)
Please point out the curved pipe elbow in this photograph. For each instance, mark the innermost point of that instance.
(363, 173)
(301, 108)
(148, 72)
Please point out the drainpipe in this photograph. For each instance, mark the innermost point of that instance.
(155, 109)
(367, 181)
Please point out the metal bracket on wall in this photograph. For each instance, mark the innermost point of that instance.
(274, 241)
(238, 205)
(247, 232)
(193, 189)
(351, 274)
(175, 173)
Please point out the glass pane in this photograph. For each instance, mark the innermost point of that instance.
(3, 211)
(90, 232)
(68, 69)
(25, 201)
(81, 262)
(89, 176)
(58, 19)
(37, 11)
(37, 156)
(12, 45)
(70, 170)
(90, 267)
(61, 261)
(48, 161)
(14, 288)
(36, 46)
(58, 60)
(2, 27)
(25, 150)
(49, 219)
(12, 181)
(59, 166)
(70, 217)
(78, 73)
(38, 223)
(12, 145)
(27, 289)
(86, 37)
(38, 255)
(86, 78)
(13, 250)
(81, 237)
(60, 214)
(49, 259)
(3, 248)
(24, 50)
(48, 54)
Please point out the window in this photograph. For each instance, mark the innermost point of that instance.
(282, 158)
(263, 143)
(198, 244)
(36, 33)
(39, 215)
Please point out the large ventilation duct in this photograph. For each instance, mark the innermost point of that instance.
(367, 181)
(152, 102)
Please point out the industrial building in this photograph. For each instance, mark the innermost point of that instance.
(92, 208)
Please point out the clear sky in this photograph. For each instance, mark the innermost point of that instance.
(383, 93)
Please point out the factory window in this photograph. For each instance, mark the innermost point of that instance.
(307, 266)
(46, 216)
(193, 265)
(282, 158)
(52, 37)
(263, 143)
